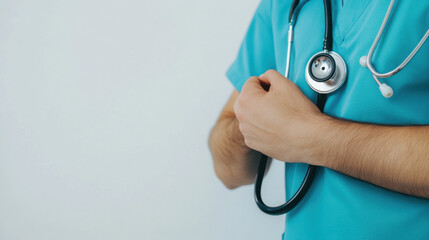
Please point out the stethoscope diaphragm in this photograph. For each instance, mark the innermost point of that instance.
(326, 72)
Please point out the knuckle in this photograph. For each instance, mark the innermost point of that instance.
(270, 71)
(242, 99)
(246, 85)
(238, 115)
(253, 78)
(248, 143)
(236, 104)
(240, 127)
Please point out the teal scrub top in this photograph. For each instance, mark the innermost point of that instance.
(338, 206)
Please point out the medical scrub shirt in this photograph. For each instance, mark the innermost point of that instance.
(338, 206)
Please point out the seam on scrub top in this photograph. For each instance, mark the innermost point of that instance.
(344, 36)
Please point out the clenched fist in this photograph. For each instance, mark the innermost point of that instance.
(277, 119)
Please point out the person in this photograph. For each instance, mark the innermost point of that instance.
(372, 152)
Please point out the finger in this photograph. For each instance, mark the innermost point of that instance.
(272, 77)
(252, 86)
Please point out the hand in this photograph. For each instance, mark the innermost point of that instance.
(277, 119)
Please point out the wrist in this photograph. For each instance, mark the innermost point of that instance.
(235, 137)
(321, 136)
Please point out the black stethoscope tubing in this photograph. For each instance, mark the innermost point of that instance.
(311, 170)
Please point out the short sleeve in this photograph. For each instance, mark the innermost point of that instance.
(256, 54)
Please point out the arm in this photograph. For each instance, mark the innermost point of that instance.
(396, 158)
(235, 164)
(284, 124)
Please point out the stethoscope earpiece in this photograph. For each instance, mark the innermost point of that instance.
(363, 60)
(385, 89)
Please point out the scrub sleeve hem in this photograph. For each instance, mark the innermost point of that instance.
(236, 79)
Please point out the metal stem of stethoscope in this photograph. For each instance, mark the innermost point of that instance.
(289, 46)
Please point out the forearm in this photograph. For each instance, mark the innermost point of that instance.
(284, 124)
(396, 158)
(235, 164)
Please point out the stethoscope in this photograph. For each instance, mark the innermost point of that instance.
(326, 72)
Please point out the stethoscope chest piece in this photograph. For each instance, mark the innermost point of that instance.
(326, 72)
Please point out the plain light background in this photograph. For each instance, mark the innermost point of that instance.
(105, 111)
